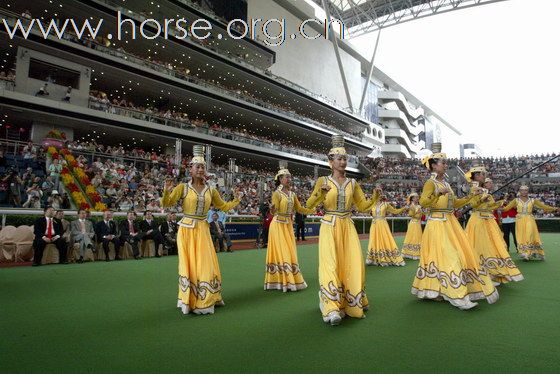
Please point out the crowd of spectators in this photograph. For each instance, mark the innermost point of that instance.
(132, 178)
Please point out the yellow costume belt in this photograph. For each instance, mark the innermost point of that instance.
(484, 214)
(439, 214)
(414, 220)
(189, 220)
(330, 217)
(525, 214)
(283, 218)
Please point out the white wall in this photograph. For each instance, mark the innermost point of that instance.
(309, 63)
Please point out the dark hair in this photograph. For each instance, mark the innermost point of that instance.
(432, 162)
(277, 182)
(81, 210)
(47, 207)
(60, 210)
(475, 174)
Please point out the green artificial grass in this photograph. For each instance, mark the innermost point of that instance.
(121, 317)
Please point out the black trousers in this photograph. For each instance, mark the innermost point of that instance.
(39, 247)
(133, 240)
(116, 243)
(170, 243)
(509, 228)
(300, 231)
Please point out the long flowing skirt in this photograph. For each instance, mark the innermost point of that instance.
(490, 248)
(200, 281)
(448, 268)
(341, 269)
(412, 241)
(528, 238)
(282, 267)
(382, 249)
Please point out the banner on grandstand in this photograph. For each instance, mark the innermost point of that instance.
(250, 230)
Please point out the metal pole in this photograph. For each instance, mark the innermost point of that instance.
(337, 53)
(370, 72)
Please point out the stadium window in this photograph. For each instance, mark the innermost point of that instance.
(50, 73)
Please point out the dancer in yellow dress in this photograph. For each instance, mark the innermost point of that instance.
(382, 249)
(413, 239)
(282, 267)
(529, 241)
(447, 268)
(200, 281)
(484, 234)
(341, 263)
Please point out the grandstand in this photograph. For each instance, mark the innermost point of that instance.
(121, 117)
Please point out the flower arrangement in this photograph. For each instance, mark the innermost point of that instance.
(72, 175)
(56, 134)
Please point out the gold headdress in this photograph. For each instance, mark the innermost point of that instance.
(523, 187)
(337, 146)
(198, 155)
(474, 169)
(437, 154)
(283, 170)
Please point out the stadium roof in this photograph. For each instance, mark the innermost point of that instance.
(364, 16)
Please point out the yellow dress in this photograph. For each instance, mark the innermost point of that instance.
(529, 241)
(488, 242)
(200, 281)
(382, 249)
(341, 263)
(282, 267)
(447, 267)
(413, 239)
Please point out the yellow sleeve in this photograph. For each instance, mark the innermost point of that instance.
(317, 196)
(496, 205)
(411, 212)
(363, 204)
(169, 199)
(512, 204)
(459, 203)
(428, 196)
(547, 208)
(391, 209)
(276, 199)
(300, 208)
(475, 200)
(221, 204)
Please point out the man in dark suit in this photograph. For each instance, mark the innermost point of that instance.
(169, 231)
(300, 226)
(151, 231)
(131, 233)
(48, 230)
(218, 232)
(106, 231)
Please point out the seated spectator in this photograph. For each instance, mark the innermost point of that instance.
(151, 231)
(218, 232)
(48, 231)
(55, 200)
(82, 233)
(169, 231)
(106, 232)
(34, 195)
(131, 233)
(43, 91)
(59, 215)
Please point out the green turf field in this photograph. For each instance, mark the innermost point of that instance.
(121, 317)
